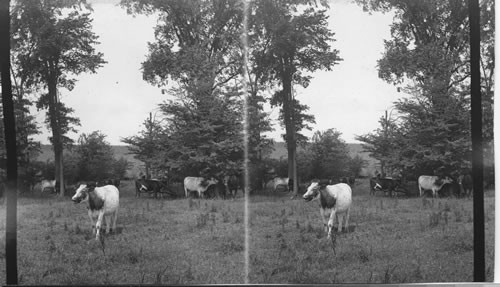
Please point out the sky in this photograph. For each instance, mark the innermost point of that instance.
(116, 100)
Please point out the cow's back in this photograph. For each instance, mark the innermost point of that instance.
(110, 195)
(426, 181)
(343, 194)
(192, 183)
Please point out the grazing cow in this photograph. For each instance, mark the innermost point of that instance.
(198, 184)
(465, 181)
(51, 184)
(102, 202)
(232, 183)
(115, 182)
(148, 185)
(384, 184)
(432, 182)
(335, 200)
(280, 181)
(450, 189)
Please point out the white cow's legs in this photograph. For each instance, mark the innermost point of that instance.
(91, 222)
(340, 218)
(347, 220)
(98, 225)
(330, 223)
(115, 215)
(108, 222)
(324, 217)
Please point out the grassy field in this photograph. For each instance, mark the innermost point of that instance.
(182, 241)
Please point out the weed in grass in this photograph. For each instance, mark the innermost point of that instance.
(388, 274)
(458, 215)
(77, 229)
(225, 216)
(134, 256)
(201, 219)
(434, 219)
(232, 246)
(364, 254)
(159, 276)
(381, 205)
(370, 277)
(188, 274)
(283, 222)
(213, 208)
(297, 224)
(237, 220)
(212, 216)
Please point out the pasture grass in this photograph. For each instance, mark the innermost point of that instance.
(193, 241)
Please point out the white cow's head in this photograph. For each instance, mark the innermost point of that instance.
(444, 181)
(312, 191)
(82, 193)
(211, 181)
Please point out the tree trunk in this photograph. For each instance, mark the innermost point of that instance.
(288, 110)
(56, 132)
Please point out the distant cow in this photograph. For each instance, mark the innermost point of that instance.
(386, 184)
(50, 184)
(115, 182)
(465, 181)
(232, 184)
(149, 186)
(197, 184)
(335, 200)
(280, 181)
(432, 182)
(102, 202)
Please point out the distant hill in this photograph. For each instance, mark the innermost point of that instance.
(279, 152)
(119, 151)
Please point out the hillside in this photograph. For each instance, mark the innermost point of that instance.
(279, 152)
(47, 154)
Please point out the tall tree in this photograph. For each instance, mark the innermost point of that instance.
(299, 42)
(330, 155)
(146, 145)
(197, 45)
(429, 52)
(55, 43)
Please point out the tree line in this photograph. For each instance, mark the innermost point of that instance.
(212, 56)
(427, 56)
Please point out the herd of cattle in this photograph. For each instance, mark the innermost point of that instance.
(462, 186)
(229, 186)
(335, 198)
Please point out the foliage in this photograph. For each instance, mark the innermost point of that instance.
(94, 159)
(296, 42)
(428, 53)
(53, 42)
(197, 45)
(301, 121)
(329, 154)
(202, 137)
(147, 143)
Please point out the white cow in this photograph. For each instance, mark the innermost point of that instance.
(44, 184)
(335, 200)
(102, 202)
(432, 182)
(198, 184)
(280, 181)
